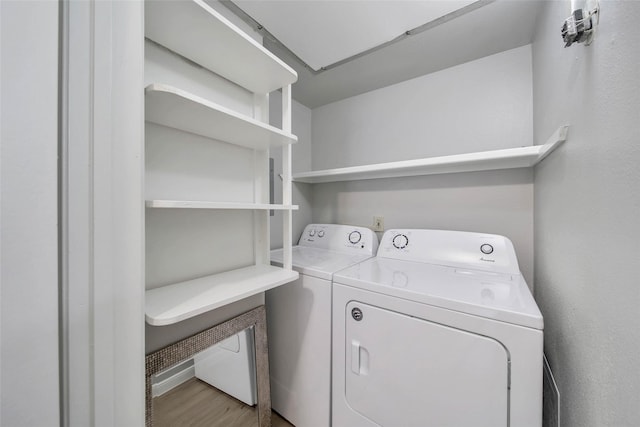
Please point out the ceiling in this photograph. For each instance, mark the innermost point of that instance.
(311, 34)
(322, 33)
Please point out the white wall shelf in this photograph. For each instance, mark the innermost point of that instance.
(168, 106)
(509, 158)
(197, 204)
(196, 31)
(180, 301)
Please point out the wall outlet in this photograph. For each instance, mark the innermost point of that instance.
(378, 223)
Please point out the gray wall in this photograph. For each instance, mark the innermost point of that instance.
(587, 210)
(481, 105)
(29, 239)
(477, 106)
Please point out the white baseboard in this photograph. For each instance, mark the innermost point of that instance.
(160, 388)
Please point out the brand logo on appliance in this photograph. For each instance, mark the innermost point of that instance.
(487, 260)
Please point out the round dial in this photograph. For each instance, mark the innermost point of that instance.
(312, 233)
(400, 241)
(321, 233)
(354, 237)
(486, 249)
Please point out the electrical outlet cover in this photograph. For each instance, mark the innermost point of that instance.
(378, 223)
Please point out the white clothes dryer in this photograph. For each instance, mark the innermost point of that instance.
(299, 321)
(438, 330)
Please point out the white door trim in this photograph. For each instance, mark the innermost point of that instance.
(102, 213)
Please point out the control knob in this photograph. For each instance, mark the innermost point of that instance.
(354, 237)
(400, 241)
(312, 233)
(321, 233)
(486, 249)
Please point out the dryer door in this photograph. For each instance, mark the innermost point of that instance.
(401, 370)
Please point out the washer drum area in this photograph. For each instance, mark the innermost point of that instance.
(438, 330)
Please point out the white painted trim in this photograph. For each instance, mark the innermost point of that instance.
(103, 282)
(168, 384)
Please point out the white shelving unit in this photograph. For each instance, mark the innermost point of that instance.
(180, 301)
(175, 108)
(195, 31)
(486, 160)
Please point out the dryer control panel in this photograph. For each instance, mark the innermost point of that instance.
(476, 251)
(340, 238)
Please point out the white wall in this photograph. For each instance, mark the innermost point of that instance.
(28, 214)
(587, 205)
(477, 106)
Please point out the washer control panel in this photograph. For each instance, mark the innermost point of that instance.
(478, 251)
(336, 237)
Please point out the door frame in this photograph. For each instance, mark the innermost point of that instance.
(101, 212)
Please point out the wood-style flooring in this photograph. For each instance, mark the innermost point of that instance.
(196, 404)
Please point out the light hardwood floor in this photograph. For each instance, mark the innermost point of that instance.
(197, 404)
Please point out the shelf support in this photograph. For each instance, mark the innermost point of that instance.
(287, 217)
(261, 185)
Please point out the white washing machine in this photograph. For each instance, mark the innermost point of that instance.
(438, 330)
(299, 321)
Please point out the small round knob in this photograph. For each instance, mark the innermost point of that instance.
(354, 237)
(400, 241)
(321, 233)
(486, 249)
(312, 233)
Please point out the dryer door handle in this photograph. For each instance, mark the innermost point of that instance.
(359, 359)
(355, 357)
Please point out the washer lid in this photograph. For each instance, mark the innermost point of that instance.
(319, 263)
(498, 296)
